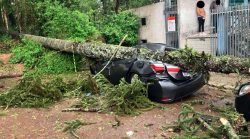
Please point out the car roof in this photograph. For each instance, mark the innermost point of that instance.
(156, 47)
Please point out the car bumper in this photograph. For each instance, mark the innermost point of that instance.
(242, 105)
(165, 91)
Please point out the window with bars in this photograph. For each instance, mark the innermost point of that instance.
(236, 2)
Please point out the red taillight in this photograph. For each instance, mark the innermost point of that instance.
(173, 69)
(158, 67)
(165, 99)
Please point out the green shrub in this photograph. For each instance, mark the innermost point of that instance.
(27, 52)
(38, 60)
(55, 63)
(116, 26)
(6, 43)
(62, 23)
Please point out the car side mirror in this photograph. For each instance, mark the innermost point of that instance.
(244, 89)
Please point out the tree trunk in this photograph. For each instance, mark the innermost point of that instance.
(117, 6)
(104, 6)
(5, 18)
(10, 75)
(18, 16)
(187, 60)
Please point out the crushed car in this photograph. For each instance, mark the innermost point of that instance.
(166, 82)
(242, 100)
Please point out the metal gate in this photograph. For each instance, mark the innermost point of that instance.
(231, 31)
(171, 17)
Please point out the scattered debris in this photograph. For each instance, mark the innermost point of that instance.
(163, 108)
(192, 122)
(73, 125)
(33, 92)
(80, 110)
(148, 125)
(130, 133)
(171, 128)
(230, 131)
(3, 114)
(117, 122)
(123, 99)
(195, 102)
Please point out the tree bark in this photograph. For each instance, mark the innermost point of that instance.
(230, 131)
(117, 6)
(18, 15)
(104, 6)
(5, 18)
(99, 51)
(103, 52)
(10, 75)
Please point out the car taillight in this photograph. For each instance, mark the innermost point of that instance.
(158, 67)
(165, 99)
(173, 69)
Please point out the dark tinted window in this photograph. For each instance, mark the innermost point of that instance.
(144, 41)
(143, 21)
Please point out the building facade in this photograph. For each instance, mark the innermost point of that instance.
(174, 22)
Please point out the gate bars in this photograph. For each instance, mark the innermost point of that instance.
(230, 33)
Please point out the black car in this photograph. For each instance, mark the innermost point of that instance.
(167, 82)
(242, 100)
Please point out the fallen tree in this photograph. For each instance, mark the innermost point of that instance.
(10, 75)
(186, 58)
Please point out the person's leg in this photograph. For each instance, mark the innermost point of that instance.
(200, 23)
(214, 23)
(202, 26)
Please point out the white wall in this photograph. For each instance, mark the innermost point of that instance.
(188, 22)
(154, 31)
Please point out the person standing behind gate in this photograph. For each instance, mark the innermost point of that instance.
(214, 8)
(201, 15)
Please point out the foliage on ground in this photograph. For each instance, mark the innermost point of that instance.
(38, 60)
(197, 125)
(122, 99)
(116, 26)
(73, 125)
(94, 93)
(35, 92)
